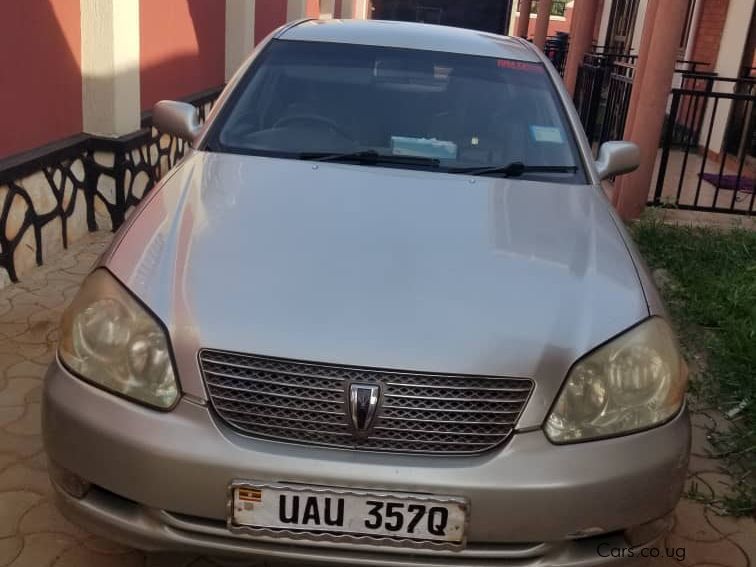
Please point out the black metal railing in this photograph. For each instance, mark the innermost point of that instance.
(556, 49)
(589, 92)
(691, 109)
(619, 91)
(708, 158)
(598, 73)
(604, 87)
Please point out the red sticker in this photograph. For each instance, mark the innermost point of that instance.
(519, 65)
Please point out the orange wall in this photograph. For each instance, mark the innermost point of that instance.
(709, 33)
(40, 72)
(313, 8)
(182, 45)
(269, 14)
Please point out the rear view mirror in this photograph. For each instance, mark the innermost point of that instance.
(180, 119)
(617, 158)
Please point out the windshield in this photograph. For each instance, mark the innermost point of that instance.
(400, 108)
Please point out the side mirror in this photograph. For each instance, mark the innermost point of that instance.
(180, 119)
(617, 158)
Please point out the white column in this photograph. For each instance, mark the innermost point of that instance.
(734, 37)
(640, 19)
(110, 66)
(296, 10)
(605, 15)
(361, 9)
(327, 9)
(690, 42)
(355, 9)
(513, 19)
(240, 33)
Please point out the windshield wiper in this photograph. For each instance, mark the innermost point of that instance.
(370, 157)
(515, 169)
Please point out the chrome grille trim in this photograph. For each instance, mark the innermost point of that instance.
(305, 403)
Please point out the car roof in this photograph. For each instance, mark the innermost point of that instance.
(410, 35)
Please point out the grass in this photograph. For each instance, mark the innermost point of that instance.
(708, 280)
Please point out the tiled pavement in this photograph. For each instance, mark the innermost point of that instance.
(33, 533)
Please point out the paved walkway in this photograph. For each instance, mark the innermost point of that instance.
(34, 534)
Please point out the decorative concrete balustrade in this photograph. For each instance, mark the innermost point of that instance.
(53, 196)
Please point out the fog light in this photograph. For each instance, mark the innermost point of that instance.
(71, 483)
(644, 534)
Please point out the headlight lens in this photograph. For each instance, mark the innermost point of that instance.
(109, 339)
(634, 382)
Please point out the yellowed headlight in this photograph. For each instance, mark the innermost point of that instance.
(634, 382)
(109, 339)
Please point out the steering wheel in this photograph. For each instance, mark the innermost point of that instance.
(312, 118)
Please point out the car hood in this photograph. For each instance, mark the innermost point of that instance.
(379, 267)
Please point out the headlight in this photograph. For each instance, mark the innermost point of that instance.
(109, 339)
(634, 382)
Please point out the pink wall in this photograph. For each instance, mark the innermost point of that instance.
(40, 63)
(269, 14)
(313, 8)
(182, 45)
(555, 25)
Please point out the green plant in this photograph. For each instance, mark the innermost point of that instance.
(709, 285)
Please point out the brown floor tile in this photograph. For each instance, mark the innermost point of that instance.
(16, 389)
(13, 506)
(10, 548)
(722, 552)
(43, 550)
(20, 476)
(77, 556)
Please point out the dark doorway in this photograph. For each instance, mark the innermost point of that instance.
(485, 15)
(619, 36)
(740, 139)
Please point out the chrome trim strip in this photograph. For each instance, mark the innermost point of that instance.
(481, 388)
(466, 433)
(269, 382)
(324, 412)
(410, 419)
(442, 399)
(261, 369)
(385, 373)
(476, 412)
(287, 428)
(287, 396)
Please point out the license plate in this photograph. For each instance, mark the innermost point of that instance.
(315, 512)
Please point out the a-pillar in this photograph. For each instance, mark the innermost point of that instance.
(110, 67)
(240, 33)
(524, 21)
(581, 39)
(542, 23)
(662, 30)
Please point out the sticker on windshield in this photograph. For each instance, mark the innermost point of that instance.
(547, 134)
(520, 66)
(423, 147)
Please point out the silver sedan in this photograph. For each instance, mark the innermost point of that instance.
(380, 314)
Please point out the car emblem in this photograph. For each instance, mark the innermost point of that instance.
(363, 406)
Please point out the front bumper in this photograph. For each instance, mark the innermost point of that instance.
(163, 479)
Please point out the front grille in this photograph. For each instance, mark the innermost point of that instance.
(306, 402)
